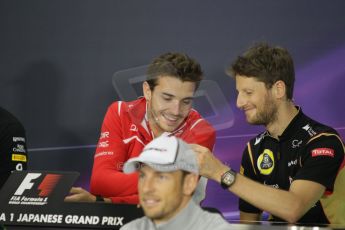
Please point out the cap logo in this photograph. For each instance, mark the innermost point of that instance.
(164, 154)
(155, 149)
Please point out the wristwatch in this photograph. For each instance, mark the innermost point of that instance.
(99, 198)
(227, 179)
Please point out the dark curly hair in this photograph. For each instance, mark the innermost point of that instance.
(267, 64)
(177, 65)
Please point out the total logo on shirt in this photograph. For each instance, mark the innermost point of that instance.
(322, 152)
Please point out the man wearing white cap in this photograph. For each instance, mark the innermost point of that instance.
(168, 177)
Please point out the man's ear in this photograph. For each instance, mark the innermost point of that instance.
(190, 182)
(279, 89)
(147, 91)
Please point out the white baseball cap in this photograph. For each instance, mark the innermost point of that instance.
(165, 154)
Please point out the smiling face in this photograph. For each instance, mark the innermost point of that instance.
(169, 103)
(163, 194)
(256, 101)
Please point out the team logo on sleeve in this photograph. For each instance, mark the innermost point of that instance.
(322, 152)
(265, 162)
(104, 135)
(309, 129)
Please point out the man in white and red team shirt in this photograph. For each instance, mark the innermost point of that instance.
(165, 109)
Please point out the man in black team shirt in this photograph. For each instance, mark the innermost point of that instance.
(295, 169)
(13, 152)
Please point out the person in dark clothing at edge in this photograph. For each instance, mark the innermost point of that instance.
(295, 169)
(13, 151)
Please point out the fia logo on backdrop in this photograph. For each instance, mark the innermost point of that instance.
(35, 189)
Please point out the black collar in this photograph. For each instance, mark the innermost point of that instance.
(295, 124)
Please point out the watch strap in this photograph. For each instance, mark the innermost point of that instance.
(99, 198)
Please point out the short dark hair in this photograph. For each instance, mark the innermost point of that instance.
(267, 64)
(177, 65)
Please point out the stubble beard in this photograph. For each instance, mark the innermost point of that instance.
(267, 115)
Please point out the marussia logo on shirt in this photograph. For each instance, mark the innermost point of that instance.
(322, 152)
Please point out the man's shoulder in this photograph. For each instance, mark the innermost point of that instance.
(125, 106)
(197, 130)
(9, 123)
(131, 110)
(319, 127)
(195, 119)
(213, 220)
(7, 118)
(140, 223)
(313, 130)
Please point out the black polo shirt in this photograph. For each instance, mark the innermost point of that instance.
(307, 150)
(13, 151)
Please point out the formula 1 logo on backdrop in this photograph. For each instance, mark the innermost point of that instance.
(34, 190)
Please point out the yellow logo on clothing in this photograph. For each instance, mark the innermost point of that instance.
(265, 162)
(19, 157)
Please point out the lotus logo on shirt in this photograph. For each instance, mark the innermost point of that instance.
(265, 162)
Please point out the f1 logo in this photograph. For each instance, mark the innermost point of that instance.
(46, 186)
(26, 183)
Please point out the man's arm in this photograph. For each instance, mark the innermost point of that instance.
(108, 182)
(78, 194)
(107, 179)
(201, 133)
(288, 205)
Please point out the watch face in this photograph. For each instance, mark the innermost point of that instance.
(228, 179)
